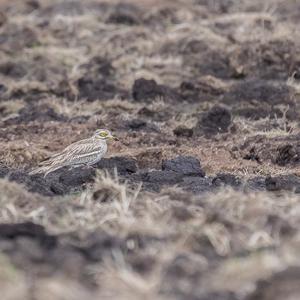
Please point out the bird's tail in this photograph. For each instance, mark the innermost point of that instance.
(45, 169)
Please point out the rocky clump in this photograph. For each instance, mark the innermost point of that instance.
(65, 180)
(224, 179)
(123, 165)
(28, 230)
(173, 171)
(216, 120)
(283, 183)
(42, 113)
(92, 89)
(183, 171)
(149, 90)
(125, 14)
(183, 131)
(48, 186)
(184, 165)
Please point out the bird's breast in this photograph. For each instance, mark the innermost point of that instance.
(102, 149)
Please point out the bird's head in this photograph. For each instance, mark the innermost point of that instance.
(104, 134)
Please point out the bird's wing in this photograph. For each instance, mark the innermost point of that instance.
(69, 148)
(73, 146)
(75, 151)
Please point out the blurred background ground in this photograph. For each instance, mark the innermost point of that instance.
(204, 96)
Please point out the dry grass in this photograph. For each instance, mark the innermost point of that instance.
(240, 224)
(168, 245)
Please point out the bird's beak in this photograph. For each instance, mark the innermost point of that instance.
(112, 137)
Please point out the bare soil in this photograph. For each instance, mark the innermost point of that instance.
(200, 198)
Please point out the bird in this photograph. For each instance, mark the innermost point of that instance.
(86, 152)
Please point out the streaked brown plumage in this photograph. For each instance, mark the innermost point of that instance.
(84, 152)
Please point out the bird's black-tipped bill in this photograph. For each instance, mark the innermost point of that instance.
(114, 138)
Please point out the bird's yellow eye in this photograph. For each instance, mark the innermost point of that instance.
(103, 134)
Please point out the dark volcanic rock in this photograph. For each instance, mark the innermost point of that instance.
(28, 229)
(37, 183)
(256, 184)
(184, 165)
(59, 189)
(161, 177)
(140, 124)
(283, 183)
(183, 131)
(125, 13)
(144, 89)
(42, 113)
(216, 120)
(66, 180)
(224, 179)
(189, 91)
(148, 90)
(197, 185)
(154, 180)
(124, 165)
(13, 69)
(77, 176)
(94, 89)
(207, 88)
(60, 182)
(261, 91)
(136, 124)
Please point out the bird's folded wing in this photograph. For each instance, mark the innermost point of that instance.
(74, 146)
(74, 152)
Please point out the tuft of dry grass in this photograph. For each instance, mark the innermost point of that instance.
(225, 224)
